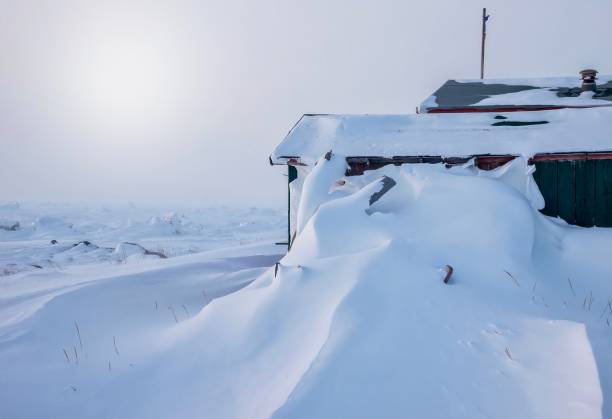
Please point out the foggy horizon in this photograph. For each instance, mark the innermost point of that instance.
(157, 102)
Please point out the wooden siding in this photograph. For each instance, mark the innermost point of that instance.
(579, 191)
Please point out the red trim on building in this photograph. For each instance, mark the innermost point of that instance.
(483, 109)
(570, 156)
(295, 162)
(488, 162)
(492, 162)
(494, 109)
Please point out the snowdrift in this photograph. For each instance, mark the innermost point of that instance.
(355, 321)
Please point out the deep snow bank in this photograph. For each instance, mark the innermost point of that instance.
(506, 338)
(81, 343)
(355, 321)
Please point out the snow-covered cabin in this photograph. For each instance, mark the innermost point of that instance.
(561, 125)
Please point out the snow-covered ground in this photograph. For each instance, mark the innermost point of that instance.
(114, 234)
(95, 298)
(355, 321)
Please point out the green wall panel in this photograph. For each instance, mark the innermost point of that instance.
(566, 191)
(548, 186)
(580, 192)
(585, 193)
(292, 174)
(603, 193)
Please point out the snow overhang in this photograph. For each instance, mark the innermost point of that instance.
(447, 135)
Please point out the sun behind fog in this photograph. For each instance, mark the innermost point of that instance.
(124, 81)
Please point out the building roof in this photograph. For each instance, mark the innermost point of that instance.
(448, 135)
(523, 94)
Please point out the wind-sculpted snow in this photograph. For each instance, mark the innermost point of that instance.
(317, 186)
(354, 322)
(90, 341)
(510, 336)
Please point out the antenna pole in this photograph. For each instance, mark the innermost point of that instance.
(485, 17)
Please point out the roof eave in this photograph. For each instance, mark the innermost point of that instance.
(510, 108)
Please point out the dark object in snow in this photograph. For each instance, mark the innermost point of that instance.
(85, 242)
(387, 183)
(10, 227)
(152, 253)
(159, 254)
(276, 269)
(500, 117)
(518, 123)
(448, 270)
(76, 326)
(148, 252)
(328, 155)
(513, 278)
(36, 266)
(53, 241)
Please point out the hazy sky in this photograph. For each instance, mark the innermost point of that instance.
(183, 101)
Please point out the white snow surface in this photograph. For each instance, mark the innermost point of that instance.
(121, 233)
(316, 187)
(355, 322)
(545, 97)
(447, 135)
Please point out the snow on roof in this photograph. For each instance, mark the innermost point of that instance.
(522, 93)
(448, 135)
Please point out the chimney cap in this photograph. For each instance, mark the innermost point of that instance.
(588, 72)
